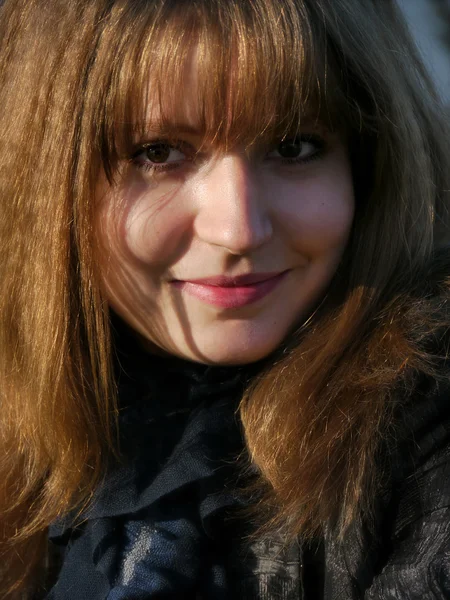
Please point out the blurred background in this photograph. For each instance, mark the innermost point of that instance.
(429, 21)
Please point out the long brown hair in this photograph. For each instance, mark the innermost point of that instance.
(73, 90)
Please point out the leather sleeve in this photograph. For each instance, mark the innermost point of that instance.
(417, 564)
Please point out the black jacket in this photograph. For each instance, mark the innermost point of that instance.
(164, 525)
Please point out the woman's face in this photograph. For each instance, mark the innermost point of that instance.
(215, 256)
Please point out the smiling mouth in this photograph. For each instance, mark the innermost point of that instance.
(232, 292)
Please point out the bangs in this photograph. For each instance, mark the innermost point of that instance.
(260, 72)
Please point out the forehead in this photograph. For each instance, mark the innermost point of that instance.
(181, 109)
(237, 78)
(236, 112)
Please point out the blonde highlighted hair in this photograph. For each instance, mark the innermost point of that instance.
(75, 81)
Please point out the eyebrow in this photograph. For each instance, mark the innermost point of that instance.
(148, 131)
(156, 127)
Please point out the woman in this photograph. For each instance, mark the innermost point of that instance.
(223, 302)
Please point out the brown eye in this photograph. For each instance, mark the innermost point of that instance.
(290, 148)
(158, 153)
(299, 149)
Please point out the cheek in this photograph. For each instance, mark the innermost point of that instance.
(152, 227)
(317, 213)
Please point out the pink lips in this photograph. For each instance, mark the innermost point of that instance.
(232, 292)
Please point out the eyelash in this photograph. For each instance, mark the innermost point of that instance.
(155, 167)
(151, 167)
(317, 141)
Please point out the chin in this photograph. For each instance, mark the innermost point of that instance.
(228, 351)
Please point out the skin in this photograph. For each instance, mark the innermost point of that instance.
(222, 214)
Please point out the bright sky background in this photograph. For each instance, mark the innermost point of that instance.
(428, 30)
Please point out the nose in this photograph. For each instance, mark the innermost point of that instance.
(231, 206)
